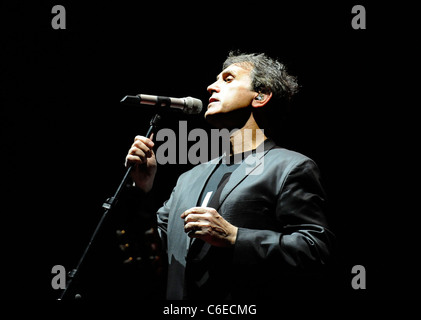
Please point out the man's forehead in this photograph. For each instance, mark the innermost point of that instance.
(236, 69)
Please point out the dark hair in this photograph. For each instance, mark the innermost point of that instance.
(268, 75)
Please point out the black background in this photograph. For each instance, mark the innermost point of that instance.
(64, 134)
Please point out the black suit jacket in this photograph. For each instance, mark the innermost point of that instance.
(276, 200)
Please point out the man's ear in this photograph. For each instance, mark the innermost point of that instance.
(261, 99)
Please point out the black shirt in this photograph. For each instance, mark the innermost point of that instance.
(219, 178)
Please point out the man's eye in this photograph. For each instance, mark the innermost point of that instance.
(229, 79)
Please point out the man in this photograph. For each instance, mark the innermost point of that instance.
(235, 228)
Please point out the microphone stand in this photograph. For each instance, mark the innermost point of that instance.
(108, 205)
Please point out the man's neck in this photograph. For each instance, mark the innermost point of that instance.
(249, 137)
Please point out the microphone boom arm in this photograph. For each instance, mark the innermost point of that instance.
(108, 205)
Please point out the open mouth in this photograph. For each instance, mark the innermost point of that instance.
(212, 100)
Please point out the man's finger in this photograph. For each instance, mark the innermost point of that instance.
(145, 140)
(196, 217)
(192, 211)
(195, 226)
(187, 212)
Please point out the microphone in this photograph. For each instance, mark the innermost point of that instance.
(188, 105)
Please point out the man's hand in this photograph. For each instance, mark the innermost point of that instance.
(207, 224)
(142, 158)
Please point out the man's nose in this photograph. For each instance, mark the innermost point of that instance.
(213, 88)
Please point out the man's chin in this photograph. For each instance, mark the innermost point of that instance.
(229, 120)
(214, 119)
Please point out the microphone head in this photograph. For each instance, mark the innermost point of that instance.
(192, 105)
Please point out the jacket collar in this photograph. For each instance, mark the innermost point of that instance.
(252, 165)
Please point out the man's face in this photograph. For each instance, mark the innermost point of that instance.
(231, 91)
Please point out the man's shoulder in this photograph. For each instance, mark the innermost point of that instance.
(282, 162)
(279, 154)
(276, 156)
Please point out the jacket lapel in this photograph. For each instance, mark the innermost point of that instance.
(250, 165)
(199, 185)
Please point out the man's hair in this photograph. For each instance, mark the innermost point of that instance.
(268, 75)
